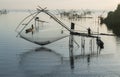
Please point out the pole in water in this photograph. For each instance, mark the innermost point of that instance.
(89, 31)
(91, 46)
(71, 38)
(82, 46)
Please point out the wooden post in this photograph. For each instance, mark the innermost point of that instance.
(82, 46)
(91, 46)
(71, 38)
(35, 22)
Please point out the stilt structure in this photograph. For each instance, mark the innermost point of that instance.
(73, 33)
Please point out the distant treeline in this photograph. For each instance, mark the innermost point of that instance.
(113, 20)
(74, 14)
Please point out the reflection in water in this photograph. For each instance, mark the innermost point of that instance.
(44, 62)
(39, 62)
(88, 59)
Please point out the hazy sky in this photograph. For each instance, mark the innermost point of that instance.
(60, 4)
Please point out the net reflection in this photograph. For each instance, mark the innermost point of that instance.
(40, 61)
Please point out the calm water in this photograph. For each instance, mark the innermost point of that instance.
(20, 58)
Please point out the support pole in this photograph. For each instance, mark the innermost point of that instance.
(91, 50)
(71, 38)
(93, 45)
(83, 46)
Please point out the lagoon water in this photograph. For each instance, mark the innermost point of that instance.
(20, 58)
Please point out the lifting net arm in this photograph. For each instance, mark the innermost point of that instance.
(56, 19)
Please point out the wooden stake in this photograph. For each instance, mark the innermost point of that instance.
(71, 38)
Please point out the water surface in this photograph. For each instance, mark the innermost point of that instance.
(20, 58)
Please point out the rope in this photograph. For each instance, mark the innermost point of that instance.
(24, 20)
(28, 21)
